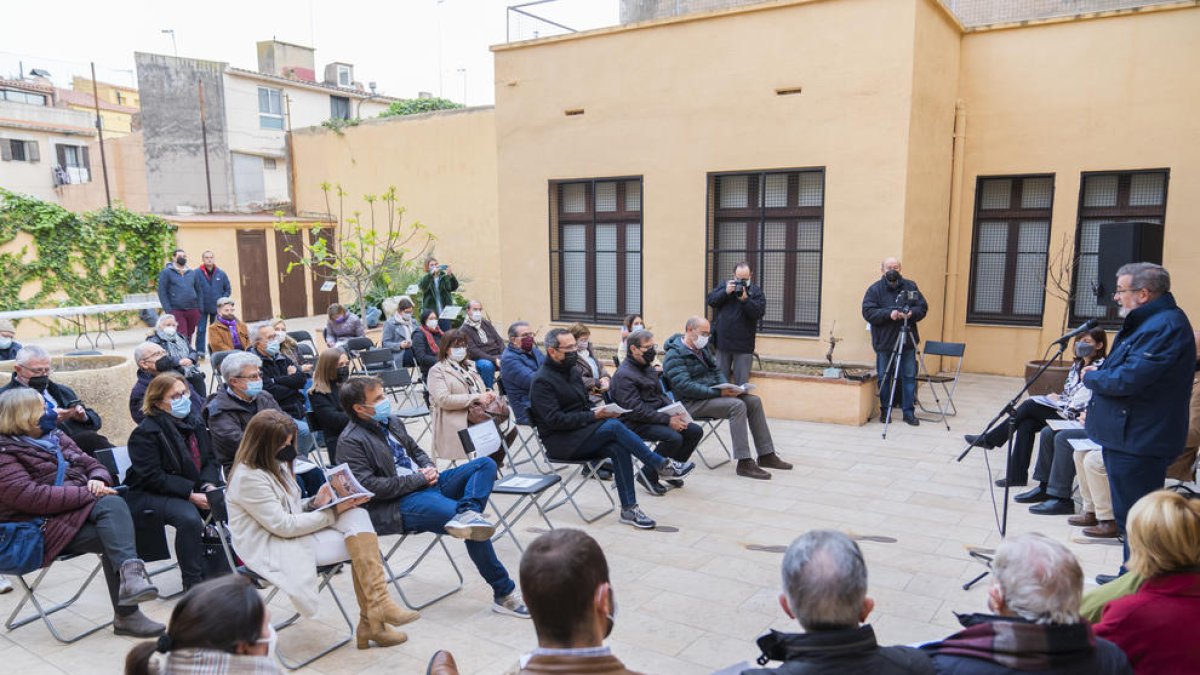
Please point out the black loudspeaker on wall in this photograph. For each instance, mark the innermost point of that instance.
(1122, 243)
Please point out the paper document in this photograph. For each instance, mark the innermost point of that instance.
(1046, 401)
(1081, 444)
(450, 312)
(676, 408)
(612, 408)
(412, 289)
(328, 286)
(741, 389)
(302, 464)
(484, 438)
(344, 485)
(519, 482)
(1059, 425)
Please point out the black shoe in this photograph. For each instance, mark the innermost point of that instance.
(604, 473)
(1037, 494)
(912, 421)
(1004, 482)
(1054, 507)
(675, 482)
(978, 441)
(1105, 578)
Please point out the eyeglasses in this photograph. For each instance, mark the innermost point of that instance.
(1119, 290)
(256, 376)
(37, 372)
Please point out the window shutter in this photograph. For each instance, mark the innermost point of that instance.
(32, 153)
(84, 160)
(6, 150)
(61, 151)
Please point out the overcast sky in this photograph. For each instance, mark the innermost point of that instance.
(395, 44)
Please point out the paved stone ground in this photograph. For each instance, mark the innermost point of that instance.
(691, 600)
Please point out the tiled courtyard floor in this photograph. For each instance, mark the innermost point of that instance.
(693, 600)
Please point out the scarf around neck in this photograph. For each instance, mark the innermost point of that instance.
(478, 326)
(231, 324)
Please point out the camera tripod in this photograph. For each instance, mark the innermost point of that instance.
(896, 363)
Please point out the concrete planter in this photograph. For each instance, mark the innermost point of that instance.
(103, 384)
(1051, 381)
(815, 399)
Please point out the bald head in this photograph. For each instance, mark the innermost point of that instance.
(696, 332)
(889, 264)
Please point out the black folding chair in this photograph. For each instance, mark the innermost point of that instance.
(216, 360)
(398, 383)
(946, 379)
(302, 336)
(585, 471)
(375, 361)
(307, 354)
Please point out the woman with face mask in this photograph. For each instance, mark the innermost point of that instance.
(398, 331)
(591, 369)
(333, 369)
(425, 342)
(342, 325)
(220, 626)
(453, 385)
(171, 471)
(166, 335)
(283, 538)
(437, 288)
(632, 324)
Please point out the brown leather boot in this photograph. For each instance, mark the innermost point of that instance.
(1085, 519)
(380, 633)
(749, 469)
(1105, 529)
(367, 564)
(772, 461)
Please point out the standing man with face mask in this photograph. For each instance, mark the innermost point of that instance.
(887, 305)
(180, 292)
(738, 305)
(1138, 412)
(215, 285)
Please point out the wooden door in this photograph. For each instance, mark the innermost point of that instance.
(293, 290)
(256, 280)
(323, 299)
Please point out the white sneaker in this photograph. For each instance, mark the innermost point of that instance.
(471, 525)
(5, 586)
(512, 605)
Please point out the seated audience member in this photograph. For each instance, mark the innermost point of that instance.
(571, 429)
(518, 365)
(425, 342)
(8, 345)
(232, 406)
(632, 324)
(637, 385)
(565, 577)
(593, 373)
(1035, 624)
(283, 379)
(151, 360)
(289, 347)
(1097, 495)
(453, 386)
(220, 626)
(83, 514)
(342, 326)
(32, 370)
(1184, 466)
(1156, 626)
(825, 591)
(1054, 472)
(484, 344)
(412, 496)
(228, 332)
(693, 375)
(171, 471)
(398, 331)
(283, 538)
(1031, 415)
(333, 369)
(183, 357)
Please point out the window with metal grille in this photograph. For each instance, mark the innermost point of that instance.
(773, 220)
(270, 108)
(1106, 198)
(596, 249)
(1009, 250)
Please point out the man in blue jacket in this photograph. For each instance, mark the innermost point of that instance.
(215, 285)
(738, 305)
(180, 294)
(1140, 394)
(518, 364)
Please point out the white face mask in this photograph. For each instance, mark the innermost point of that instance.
(583, 345)
(431, 324)
(476, 316)
(701, 341)
(457, 354)
(169, 332)
(272, 640)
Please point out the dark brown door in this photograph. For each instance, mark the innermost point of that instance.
(256, 280)
(293, 291)
(322, 299)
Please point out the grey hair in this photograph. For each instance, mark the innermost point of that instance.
(825, 579)
(233, 364)
(30, 353)
(635, 338)
(163, 317)
(551, 340)
(515, 327)
(1040, 579)
(692, 322)
(221, 302)
(140, 351)
(1153, 278)
(258, 326)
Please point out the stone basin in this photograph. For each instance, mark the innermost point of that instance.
(102, 382)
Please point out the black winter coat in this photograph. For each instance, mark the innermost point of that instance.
(877, 305)
(331, 420)
(559, 406)
(637, 387)
(227, 416)
(736, 320)
(62, 395)
(284, 387)
(849, 651)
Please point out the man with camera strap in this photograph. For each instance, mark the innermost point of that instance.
(889, 305)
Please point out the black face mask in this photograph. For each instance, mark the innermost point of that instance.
(570, 359)
(164, 364)
(892, 276)
(39, 383)
(287, 453)
(180, 260)
(343, 373)
(649, 353)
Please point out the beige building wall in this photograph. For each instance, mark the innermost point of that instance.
(443, 166)
(126, 158)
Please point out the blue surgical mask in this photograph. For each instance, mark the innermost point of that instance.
(180, 407)
(48, 422)
(272, 348)
(383, 410)
(253, 388)
(5, 343)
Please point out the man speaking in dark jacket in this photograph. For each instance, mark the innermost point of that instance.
(1140, 395)
(739, 306)
(887, 305)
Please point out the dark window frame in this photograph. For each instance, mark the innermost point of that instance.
(1122, 212)
(333, 107)
(1013, 218)
(591, 218)
(755, 217)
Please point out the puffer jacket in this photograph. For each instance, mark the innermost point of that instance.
(690, 376)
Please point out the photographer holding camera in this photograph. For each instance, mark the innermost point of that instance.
(888, 305)
(739, 306)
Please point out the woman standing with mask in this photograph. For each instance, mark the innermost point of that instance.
(437, 289)
(333, 368)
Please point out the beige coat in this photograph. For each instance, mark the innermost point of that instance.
(450, 392)
(270, 533)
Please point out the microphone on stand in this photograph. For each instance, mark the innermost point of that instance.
(1087, 325)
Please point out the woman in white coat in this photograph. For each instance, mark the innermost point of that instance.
(453, 385)
(284, 539)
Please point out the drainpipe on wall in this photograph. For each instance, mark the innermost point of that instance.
(289, 157)
(949, 307)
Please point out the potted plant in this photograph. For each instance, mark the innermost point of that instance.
(1058, 285)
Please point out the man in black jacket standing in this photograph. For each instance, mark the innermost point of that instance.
(739, 306)
(888, 305)
(637, 385)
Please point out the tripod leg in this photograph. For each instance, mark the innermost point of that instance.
(894, 366)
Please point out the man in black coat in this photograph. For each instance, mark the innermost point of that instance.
(214, 284)
(739, 306)
(32, 369)
(284, 380)
(151, 359)
(571, 429)
(888, 305)
(825, 581)
(637, 385)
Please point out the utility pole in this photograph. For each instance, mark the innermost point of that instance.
(204, 142)
(100, 132)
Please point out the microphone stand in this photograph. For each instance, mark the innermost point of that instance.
(1009, 409)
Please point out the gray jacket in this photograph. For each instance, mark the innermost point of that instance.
(178, 290)
(394, 333)
(364, 447)
(227, 416)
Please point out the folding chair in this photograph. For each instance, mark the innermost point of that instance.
(355, 346)
(375, 361)
(397, 383)
(394, 578)
(306, 352)
(948, 382)
(29, 596)
(216, 368)
(527, 488)
(585, 470)
(302, 336)
(415, 413)
(712, 425)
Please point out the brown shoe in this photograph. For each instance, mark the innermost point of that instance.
(1085, 519)
(748, 469)
(442, 663)
(1105, 529)
(772, 461)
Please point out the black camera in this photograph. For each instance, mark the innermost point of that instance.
(904, 300)
(742, 283)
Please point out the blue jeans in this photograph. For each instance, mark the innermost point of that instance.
(463, 488)
(305, 443)
(907, 391)
(487, 371)
(1130, 478)
(202, 332)
(615, 441)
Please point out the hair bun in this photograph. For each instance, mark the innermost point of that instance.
(164, 643)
